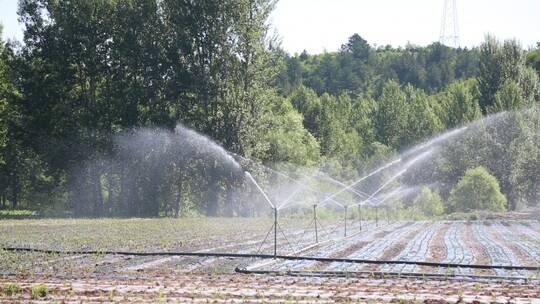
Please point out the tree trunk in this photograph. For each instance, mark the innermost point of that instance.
(213, 199)
(15, 191)
(98, 194)
(110, 187)
(178, 206)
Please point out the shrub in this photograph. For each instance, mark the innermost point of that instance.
(11, 289)
(477, 190)
(429, 203)
(39, 291)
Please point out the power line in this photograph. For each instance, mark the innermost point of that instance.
(449, 35)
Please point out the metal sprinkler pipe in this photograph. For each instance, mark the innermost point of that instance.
(345, 220)
(360, 216)
(275, 230)
(315, 221)
(261, 190)
(377, 216)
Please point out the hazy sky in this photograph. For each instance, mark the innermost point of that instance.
(318, 25)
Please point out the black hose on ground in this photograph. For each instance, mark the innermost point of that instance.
(270, 256)
(381, 274)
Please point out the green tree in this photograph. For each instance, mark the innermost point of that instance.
(362, 119)
(533, 59)
(525, 152)
(499, 63)
(509, 97)
(4, 91)
(477, 190)
(530, 86)
(459, 105)
(287, 140)
(429, 203)
(391, 117)
(306, 101)
(422, 121)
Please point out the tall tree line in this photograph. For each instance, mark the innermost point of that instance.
(90, 102)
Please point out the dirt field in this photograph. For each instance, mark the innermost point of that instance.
(120, 278)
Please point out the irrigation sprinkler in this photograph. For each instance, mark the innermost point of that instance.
(274, 207)
(315, 223)
(261, 190)
(377, 216)
(275, 230)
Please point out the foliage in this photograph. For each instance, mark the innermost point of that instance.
(533, 59)
(500, 65)
(525, 148)
(477, 190)
(11, 289)
(459, 105)
(89, 104)
(360, 69)
(286, 137)
(429, 203)
(39, 291)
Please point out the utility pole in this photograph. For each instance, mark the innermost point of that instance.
(449, 34)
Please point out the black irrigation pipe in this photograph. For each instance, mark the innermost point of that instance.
(270, 256)
(380, 274)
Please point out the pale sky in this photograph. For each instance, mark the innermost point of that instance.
(318, 25)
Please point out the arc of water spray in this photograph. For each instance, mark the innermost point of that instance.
(363, 178)
(433, 141)
(388, 182)
(384, 198)
(276, 172)
(306, 186)
(333, 201)
(407, 166)
(358, 193)
(288, 200)
(261, 190)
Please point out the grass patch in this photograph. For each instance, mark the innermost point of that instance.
(11, 289)
(39, 291)
(18, 213)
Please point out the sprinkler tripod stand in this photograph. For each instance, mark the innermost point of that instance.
(274, 229)
(377, 216)
(360, 216)
(345, 220)
(316, 223)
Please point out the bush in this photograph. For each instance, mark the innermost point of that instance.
(11, 289)
(477, 190)
(429, 203)
(39, 291)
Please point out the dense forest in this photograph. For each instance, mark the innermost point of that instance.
(89, 96)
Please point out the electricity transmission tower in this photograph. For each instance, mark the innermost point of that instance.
(449, 25)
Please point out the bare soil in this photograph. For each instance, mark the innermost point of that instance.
(235, 288)
(479, 252)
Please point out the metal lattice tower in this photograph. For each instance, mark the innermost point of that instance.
(449, 26)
